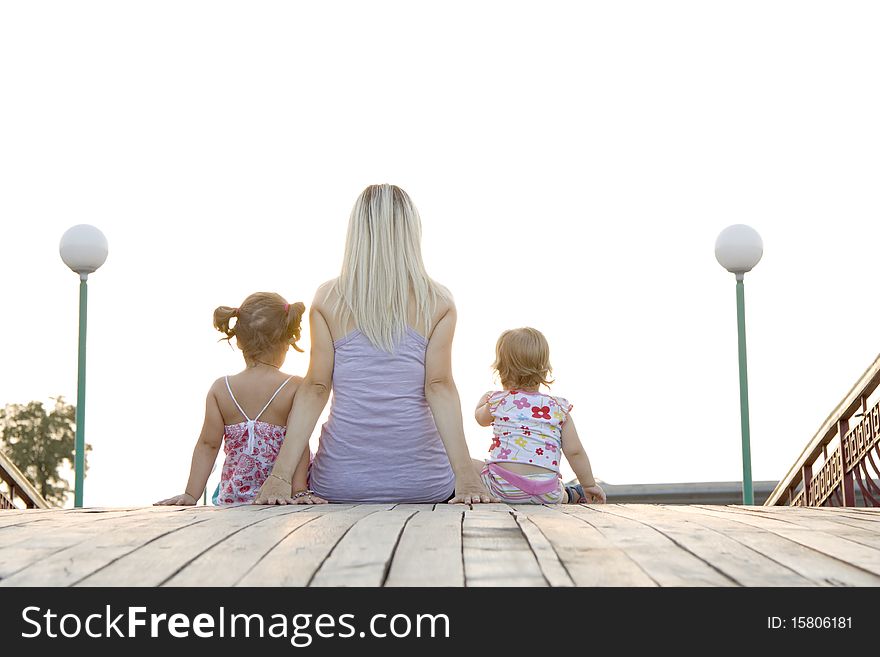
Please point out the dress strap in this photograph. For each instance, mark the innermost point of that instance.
(272, 399)
(235, 401)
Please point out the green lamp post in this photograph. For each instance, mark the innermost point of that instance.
(738, 249)
(83, 248)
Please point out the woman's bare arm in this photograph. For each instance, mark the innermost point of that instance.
(443, 398)
(310, 400)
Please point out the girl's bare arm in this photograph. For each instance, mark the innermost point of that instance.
(204, 455)
(577, 457)
(482, 414)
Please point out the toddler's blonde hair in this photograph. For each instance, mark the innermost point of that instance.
(522, 359)
(264, 322)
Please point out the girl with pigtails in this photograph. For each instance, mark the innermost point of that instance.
(247, 412)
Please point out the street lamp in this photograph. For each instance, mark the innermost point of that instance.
(738, 249)
(83, 248)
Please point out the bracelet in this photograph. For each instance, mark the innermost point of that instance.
(281, 478)
(195, 499)
(308, 492)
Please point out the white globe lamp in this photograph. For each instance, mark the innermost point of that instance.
(83, 248)
(738, 249)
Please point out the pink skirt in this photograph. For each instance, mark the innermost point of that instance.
(513, 488)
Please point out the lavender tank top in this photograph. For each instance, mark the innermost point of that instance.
(380, 443)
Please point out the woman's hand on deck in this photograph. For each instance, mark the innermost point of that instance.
(307, 496)
(472, 494)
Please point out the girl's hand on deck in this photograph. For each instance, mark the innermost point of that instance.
(184, 499)
(594, 494)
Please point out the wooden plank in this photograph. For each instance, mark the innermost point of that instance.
(859, 555)
(831, 524)
(35, 541)
(85, 549)
(865, 513)
(228, 561)
(668, 563)
(841, 517)
(836, 511)
(454, 509)
(429, 552)
(14, 518)
(156, 561)
(57, 519)
(873, 511)
(740, 563)
(588, 556)
(85, 534)
(42, 515)
(815, 566)
(444, 545)
(54, 527)
(11, 515)
(495, 551)
(362, 557)
(495, 507)
(552, 568)
(414, 507)
(828, 513)
(294, 561)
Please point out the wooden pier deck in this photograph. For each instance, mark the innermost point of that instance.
(442, 545)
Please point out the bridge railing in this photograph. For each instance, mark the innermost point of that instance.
(839, 465)
(18, 487)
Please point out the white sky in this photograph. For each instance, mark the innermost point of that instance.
(573, 164)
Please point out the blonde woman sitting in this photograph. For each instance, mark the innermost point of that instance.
(381, 339)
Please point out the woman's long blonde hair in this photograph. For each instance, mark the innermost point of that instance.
(382, 270)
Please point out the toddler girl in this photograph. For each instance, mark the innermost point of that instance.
(532, 429)
(248, 411)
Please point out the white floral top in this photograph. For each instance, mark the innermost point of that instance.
(527, 427)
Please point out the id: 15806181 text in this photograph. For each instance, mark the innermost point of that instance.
(809, 623)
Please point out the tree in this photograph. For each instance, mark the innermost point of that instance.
(39, 443)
